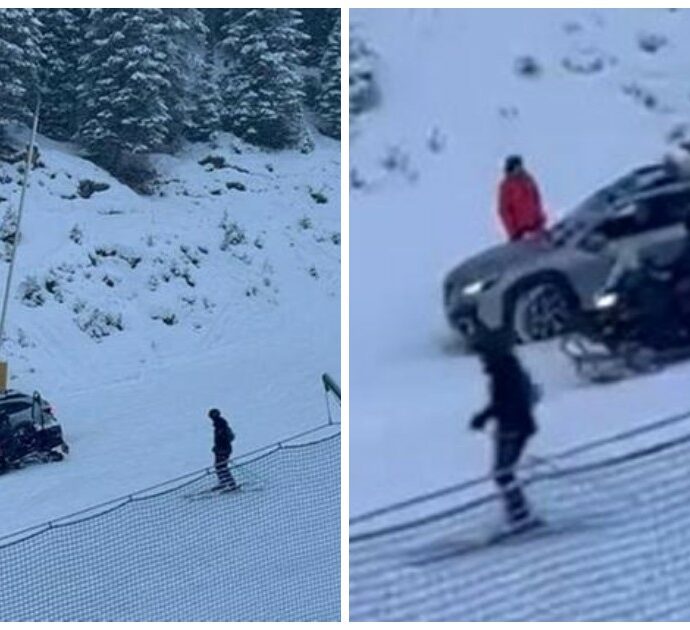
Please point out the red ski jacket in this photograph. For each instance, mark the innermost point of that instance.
(519, 206)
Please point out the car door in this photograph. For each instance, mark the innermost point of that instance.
(648, 227)
(645, 226)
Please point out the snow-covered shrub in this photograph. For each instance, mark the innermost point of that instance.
(364, 91)
(357, 180)
(318, 196)
(651, 42)
(99, 324)
(110, 281)
(78, 306)
(190, 255)
(313, 272)
(52, 285)
(571, 26)
(436, 141)
(76, 235)
(31, 292)
(642, 95)
(235, 186)
(335, 238)
(586, 61)
(258, 243)
(8, 233)
(233, 234)
(527, 66)
(126, 254)
(208, 304)
(305, 223)
(509, 112)
(396, 160)
(88, 187)
(136, 172)
(178, 270)
(165, 315)
(23, 339)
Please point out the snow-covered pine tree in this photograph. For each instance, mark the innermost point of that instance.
(195, 106)
(20, 57)
(262, 87)
(328, 102)
(203, 114)
(124, 88)
(318, 24)
(62, 44)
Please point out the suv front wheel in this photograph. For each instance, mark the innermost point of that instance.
(542, 312)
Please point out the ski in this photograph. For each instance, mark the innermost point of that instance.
(210, 493)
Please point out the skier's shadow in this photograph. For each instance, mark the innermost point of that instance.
(441, 550)
(444, 549)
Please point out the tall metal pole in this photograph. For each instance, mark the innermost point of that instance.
(25, 181)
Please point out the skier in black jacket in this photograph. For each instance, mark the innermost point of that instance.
(512, 399)
(222, 449)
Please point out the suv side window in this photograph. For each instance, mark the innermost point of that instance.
(650, 214)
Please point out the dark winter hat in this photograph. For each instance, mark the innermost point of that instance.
(214, 413)
(512, 163)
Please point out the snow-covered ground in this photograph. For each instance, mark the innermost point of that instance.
(241, 318)
(602, 104)
(269, 552)
(614, 548)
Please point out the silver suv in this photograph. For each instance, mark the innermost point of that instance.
(534, 287)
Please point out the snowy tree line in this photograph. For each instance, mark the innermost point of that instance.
(123, 83)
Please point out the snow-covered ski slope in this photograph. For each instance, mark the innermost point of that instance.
(613, 547)
(450, 75)
(268, 552)
(248, 329)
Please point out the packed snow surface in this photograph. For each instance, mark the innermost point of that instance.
(134, 315)
(608, 95)
(267, 552)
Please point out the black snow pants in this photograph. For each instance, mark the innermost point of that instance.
(225, 477)
(509, 448)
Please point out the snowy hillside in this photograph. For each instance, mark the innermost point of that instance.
(584, 96)
(133, 315)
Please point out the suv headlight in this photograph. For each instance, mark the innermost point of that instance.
(479, 286)
(605, 300)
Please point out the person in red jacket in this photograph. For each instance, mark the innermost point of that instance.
(519, 204)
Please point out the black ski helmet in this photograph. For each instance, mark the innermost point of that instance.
(214, 414)
(513, 163)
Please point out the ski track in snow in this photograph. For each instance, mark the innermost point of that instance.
(133, 407)
(411, 395)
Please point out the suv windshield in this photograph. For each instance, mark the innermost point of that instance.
(645, 178)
